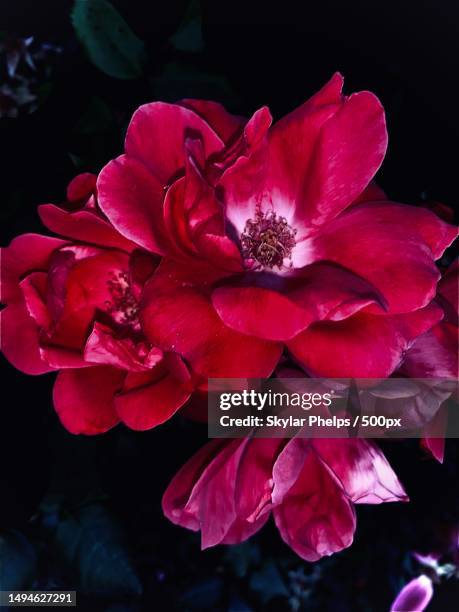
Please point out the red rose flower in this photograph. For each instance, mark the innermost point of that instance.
(275, 237)
(228, 489)
(74, 306)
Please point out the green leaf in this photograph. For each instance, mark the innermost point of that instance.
(204, 595)
(241, 557)
(109, 42)
(268, 583)
(189, 37)
(97, 118)
(91, 542)
(183, 80)
(18, 562)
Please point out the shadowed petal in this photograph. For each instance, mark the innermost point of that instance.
(274, 308)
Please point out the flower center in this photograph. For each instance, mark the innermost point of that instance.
(123, 307)
(267, 240)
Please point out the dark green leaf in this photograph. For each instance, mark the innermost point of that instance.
(189, 36)
(110, 43)
(268, 583)
(91, 542)
(243, 556)
(204, 595)
(17, 562)
(97, 118)
(183, 80)
(76, 161)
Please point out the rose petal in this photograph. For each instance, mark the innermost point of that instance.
(288, 466)
(372, 193)
(244, 177)
(361, 467)
(132, 199)
(221, 251)
(448, 290)
(278, 308)
(150, 398)
(83, 399)
(59, 357)
(34, 288)
(87, 291)
(241, 530)
(181, 319)
(104, 347)
(213, 495)
(157, 133)
(225, 125)
(201, 496)
(81, 187)
(369, 238)
(347, 153)
(434, 432)
(82, 225)
(317, 161)
(254, 481)
(315, 518)
(178, 492)
(363, 346)
(434, 354)
(26, 253)
(20, 340)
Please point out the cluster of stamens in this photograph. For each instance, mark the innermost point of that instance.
(268, 240)
(123, 307)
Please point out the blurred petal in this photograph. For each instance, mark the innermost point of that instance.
(415, 596)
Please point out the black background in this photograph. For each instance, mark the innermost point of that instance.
(268, 53)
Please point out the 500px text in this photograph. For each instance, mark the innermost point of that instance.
(310, 421)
